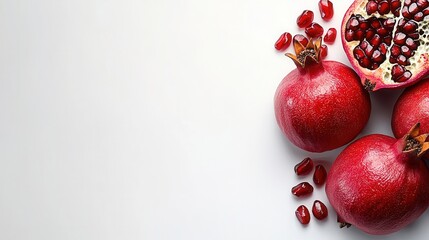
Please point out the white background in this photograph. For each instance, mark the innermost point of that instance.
(154, 120)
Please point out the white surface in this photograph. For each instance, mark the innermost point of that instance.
(154, 120)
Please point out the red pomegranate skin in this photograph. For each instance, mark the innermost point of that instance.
(321, 109)
(412, 107)
(375, 187)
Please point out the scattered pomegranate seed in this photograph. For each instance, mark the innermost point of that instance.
(314, 30)
(330, 36)
(302, 189)
(301, 39)
(284, 41)
(320, 211)
(323, 51)
(302, 214)
(305, 19)
(304, 167)
(320, 174)
(326, 9)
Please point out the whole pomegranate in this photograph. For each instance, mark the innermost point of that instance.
(411, 107)
(387, 41)
(379, 184)
(320, 105)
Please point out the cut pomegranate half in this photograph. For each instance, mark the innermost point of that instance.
(387, 41)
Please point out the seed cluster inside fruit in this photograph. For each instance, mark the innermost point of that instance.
(390, 34)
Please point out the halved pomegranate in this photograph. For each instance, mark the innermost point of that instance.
(387, 41)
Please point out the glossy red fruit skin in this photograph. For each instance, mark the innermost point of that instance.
(305, 19)
(320, 174)
(411, 107)
(319, 209)
(302, 214)
(321, 107)
(330, 36)
(366, 180)
(326, 9)
(314, 30)
(283, 42)
(304, 167)
(302, 189)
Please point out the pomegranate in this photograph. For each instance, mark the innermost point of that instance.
(379, 184)
(387, 41)
(411, 107)
(320, 105)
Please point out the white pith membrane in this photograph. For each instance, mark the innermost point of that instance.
(418, 60)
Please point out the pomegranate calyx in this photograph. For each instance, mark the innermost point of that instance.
(342, 223)
(415, 143)
(306, 55)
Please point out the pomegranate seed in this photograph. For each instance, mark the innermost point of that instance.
(371, 7)
(330, 35)
(383, 7)
(406, 51)
(302, 189)
(284, 41)
(410, 26)
(399, 38)
(320, 174)
(352, 24)
(358, 53)
(314, 30)
(419, 16)
(422, 3)
(326, 9)
(320, 211)
(304, 167)
(413, 8)
(302, 214)
(403, 60)
(395, 50)
(349, 35)
(305, 19)
(323, 51)
(397, 71)
(375, 41)
(301, 39)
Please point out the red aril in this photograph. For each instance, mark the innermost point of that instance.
(302, 189)
(320, 174)
(320, 105)
(302, 214)
(314, 30)
(326, 9)
(319, 209)
(284, 41)
(305, 19)
(330, 36)
(304, 167)
(380, 184)
(301, 39)
(387, 41)
(323, 51)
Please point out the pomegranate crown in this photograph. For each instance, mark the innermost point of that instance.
(306, 55)
(415, 143)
